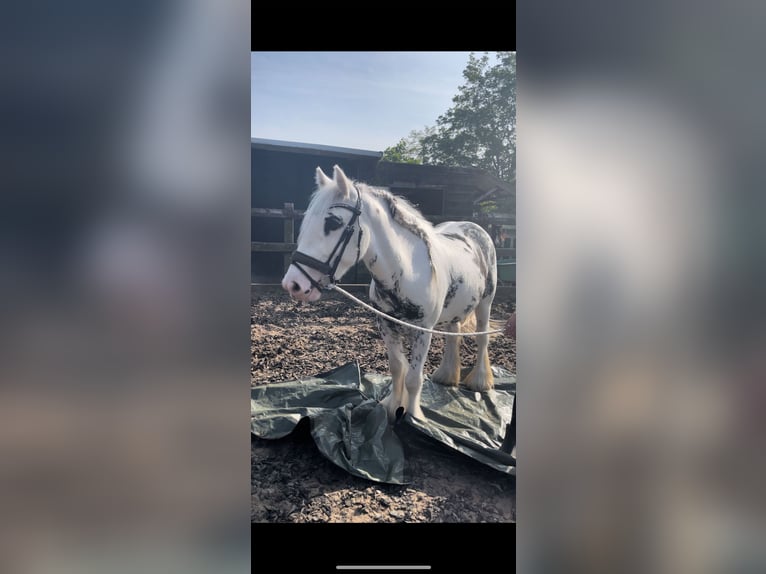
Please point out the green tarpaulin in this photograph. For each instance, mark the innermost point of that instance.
(350, 427)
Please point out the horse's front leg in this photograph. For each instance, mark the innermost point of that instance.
(397, 365)
(421, 342)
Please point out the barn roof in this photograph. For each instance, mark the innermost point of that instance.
(486, 184)
(313, 149)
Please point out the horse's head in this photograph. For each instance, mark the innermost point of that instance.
(330, 241)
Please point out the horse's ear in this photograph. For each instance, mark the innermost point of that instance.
(321, 179)
(343, 183)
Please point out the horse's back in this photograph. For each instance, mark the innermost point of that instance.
(472, 235)
(462, 227)
(471, 277)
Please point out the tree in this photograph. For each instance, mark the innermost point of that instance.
(409, 149)
(400, 153)
(479, 130)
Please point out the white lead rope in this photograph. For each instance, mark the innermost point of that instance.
(404, 323)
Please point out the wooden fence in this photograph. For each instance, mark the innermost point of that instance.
(290, 215)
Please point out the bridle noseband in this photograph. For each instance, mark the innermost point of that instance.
(326, 267)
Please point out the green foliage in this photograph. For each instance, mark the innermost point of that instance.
(479, 130)
(487, 207)
(402, 152)
(502, 203)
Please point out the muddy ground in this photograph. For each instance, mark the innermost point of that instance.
(292, 482)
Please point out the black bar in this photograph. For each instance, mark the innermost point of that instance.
(446, 547)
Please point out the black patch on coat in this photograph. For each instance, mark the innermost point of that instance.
(490, 281)
(456, 237)
(401, 307)
(479, 237)
(392, 328)
(417, 357)
(485, 259)
(331, 223)
(454, 284)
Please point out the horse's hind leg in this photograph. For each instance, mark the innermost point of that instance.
(448, 372)
(480, 378)
(397, 365)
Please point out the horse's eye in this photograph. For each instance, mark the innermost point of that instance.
(331, 223)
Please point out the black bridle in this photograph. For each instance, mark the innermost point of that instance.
(326, 267)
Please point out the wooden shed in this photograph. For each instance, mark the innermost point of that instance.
(442, 193)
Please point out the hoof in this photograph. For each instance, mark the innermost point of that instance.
(479, 381)
(480, 378)
(446, 379)
(417, 413)
(391, 407)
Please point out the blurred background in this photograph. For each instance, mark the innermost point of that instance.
(641, 348)
(124, 271)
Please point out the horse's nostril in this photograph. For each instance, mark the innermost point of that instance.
(295, 287)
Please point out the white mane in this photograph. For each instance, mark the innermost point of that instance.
(404, 212)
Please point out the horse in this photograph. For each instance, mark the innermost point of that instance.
(432, 276)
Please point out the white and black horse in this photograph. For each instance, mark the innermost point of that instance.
(432, 276)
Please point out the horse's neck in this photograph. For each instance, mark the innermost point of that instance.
(393, 249)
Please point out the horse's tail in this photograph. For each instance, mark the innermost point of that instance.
(468, 325)
(494, 325)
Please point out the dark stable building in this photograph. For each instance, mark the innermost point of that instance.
(283, 172)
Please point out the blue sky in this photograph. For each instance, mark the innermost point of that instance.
(366, 100)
